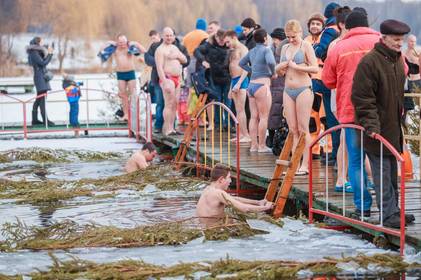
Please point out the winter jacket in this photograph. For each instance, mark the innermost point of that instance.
(340, 66)
(217, 57)
(276, 88)
(378, 96)
(39, 59)
(150, 58)
(249, 41)
(193, 39)
(329, 33)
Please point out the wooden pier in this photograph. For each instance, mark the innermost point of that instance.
(257, 169)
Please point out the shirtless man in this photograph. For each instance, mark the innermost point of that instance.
(126, 75)
(140, 159)
(169, 60)
(212, 202)
(239, 81)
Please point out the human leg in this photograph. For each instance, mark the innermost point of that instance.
(263, 102)
(240, 102)
(254, 122)
(170, 108)
(291, 117)
(304, 104)
(356, 171)
(123, 94)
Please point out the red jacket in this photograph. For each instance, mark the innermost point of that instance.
(341, 64)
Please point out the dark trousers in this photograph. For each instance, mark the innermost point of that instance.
(39, 103)
(331, 120)
(390, 183)
(222, 93)
(74, 114)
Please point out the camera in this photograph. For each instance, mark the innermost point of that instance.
(79, 84)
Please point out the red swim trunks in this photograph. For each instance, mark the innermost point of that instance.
(175, 79)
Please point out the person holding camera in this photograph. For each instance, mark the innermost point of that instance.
(73, 94)
(39, 57)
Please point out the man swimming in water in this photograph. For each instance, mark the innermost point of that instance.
(214, 198)
(141, 159)
(169, 60)
(124, 57)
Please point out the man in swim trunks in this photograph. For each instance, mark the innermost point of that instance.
(211, 205)
(239, 81)
(140, 159)
(169, 60)
(126, 75)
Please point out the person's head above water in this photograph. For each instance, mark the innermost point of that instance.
(122, 40)
(149, 151)
(221, 176)
(168, 35)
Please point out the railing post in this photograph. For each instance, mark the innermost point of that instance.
(137, 118)
(25, 128)
(237, 150)
(310, 186)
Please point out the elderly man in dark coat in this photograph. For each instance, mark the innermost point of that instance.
(378, 96)
(39, 57)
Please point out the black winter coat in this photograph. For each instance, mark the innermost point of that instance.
(277, 89)
(217, 57)
(38, 59)
(378, 96)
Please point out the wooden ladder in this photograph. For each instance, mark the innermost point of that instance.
(188, 133)
(291, 166)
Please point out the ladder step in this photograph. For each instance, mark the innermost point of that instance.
(285, 163)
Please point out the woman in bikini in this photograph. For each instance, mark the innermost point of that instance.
(298, 61)
(262, 70)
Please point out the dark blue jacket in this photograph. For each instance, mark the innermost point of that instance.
(328, 35)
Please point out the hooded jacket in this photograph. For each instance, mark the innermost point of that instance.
(39, 58)
(341, 64)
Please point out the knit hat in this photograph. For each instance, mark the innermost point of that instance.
(248, 23)
(278, 33)
(201, 24)
(238, 30)
(316, 16)
(330, 8)
(356, 19)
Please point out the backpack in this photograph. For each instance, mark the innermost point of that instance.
(280, 137)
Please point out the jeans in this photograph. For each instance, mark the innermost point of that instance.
(354, 169)
(160, 103)
(222, 90)
(331, 120)
(74, 113)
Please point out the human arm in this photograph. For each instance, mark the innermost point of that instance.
(311, 66)
(282, 66)
(159, 60)
(327, 37)
(329, 72)
(150, 56)
(251, 201)
(183, 50)
(363, 97)
(36, 58)
(245, 63)
(227, 199)
(139, 46)
(270, 60)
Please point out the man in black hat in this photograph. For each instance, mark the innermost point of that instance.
(378, 96)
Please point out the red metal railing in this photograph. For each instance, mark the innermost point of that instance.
(141, 129)
(380, 228)
(202, 162)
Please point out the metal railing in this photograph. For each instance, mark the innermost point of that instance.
(344, 217)
(141, 116)
(218, 148)
(413, 137)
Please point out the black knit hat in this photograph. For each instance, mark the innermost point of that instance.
(394, 27)
(356, 19)
(249, 23)
(278, 33)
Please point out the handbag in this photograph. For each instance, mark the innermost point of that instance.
(48, 75)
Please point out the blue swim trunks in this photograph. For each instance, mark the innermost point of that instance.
(126, 76)
(244, 84)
